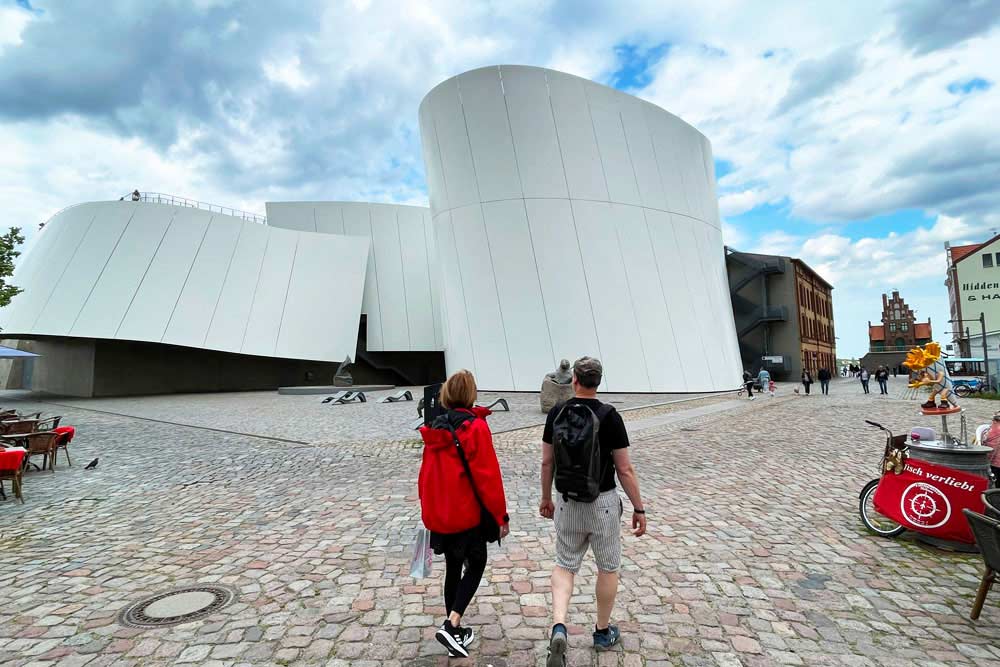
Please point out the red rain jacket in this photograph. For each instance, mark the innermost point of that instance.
(447, 504)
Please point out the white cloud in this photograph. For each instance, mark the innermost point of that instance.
(735, 203)
(13, 21)
(288, 72)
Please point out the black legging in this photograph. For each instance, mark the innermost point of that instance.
(459, 588)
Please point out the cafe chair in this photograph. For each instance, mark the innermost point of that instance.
(40, 444)
(987, 532)
(12, 468)
(992, 500)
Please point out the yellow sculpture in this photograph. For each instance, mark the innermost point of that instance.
(933, 373)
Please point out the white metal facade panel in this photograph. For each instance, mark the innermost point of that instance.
(196, 304)
(618, 169)
(232, 314)
(358, 222)
(391, 286)
(317, 322)
(488, 336)
(437, 189)
(534, 132)
(520, 293)
(581, 159)
(179, 275)
(329, 218)
(399, 297)
(489, 134)
(272, 290)
(563, 281)
(92, 255)
(114, 291)
(434, 270)
(681, 300)
(642, 155)
(294, 215)
(625, 367)
(453, 144)
(652, 314)
(147, 317)
(458, 351)
(420, 309)
(36, 267)
(622, 242)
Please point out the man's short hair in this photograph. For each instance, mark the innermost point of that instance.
(588, 372)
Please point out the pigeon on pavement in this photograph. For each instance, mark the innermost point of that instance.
(91, 465)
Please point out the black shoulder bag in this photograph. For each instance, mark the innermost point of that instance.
(488, 525)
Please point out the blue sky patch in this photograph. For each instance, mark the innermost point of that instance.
(634, 64)
(969, 86)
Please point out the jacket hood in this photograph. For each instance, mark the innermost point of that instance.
(438, 435)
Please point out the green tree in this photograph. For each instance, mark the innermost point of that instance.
(8, 253)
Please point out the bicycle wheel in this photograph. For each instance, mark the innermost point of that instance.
(874, 521)
(963, 390)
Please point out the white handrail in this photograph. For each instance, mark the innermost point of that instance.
(174, 200)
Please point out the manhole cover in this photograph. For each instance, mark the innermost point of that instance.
(178, 606)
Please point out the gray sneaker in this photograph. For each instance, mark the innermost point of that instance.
(557, 650)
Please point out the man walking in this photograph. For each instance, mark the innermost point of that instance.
(824, 380)
(863, 376)
(582, 454)
(882, 376)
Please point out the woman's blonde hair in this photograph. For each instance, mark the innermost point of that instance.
(459, 390)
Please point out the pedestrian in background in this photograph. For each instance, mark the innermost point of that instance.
(864, 376)
(462, 501)
(824, 381)
(882, 377)
(764, 379)
(807, 380)
(748, 383)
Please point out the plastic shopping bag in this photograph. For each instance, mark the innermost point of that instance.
(423, 555)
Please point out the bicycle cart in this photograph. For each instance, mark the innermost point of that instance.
(924, 483)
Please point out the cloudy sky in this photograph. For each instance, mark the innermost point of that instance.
(859, 136)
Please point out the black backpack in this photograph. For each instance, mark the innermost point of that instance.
(577, 446)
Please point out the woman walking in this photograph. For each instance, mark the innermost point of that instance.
(807, 380)
(863, 376)
(462, 501)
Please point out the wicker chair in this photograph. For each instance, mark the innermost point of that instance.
(992, 500)
(987, 532)
(48, 424)
(12, 468)
(17, 426)
(40, 443)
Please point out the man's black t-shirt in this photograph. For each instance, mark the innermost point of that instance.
(612, 436)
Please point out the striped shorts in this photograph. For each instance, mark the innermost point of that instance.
(596, 525)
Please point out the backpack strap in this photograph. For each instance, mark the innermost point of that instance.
(468, 470)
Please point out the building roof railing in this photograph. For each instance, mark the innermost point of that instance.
(174, 200)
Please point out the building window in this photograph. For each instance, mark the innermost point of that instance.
(998, 258)
(892, 326)
(904, 327)
(987, 261)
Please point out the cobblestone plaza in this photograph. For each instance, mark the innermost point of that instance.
(755, 553)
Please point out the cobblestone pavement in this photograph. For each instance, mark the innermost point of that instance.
(308, 419)
(755, 554)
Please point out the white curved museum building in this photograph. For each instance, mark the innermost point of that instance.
(566, 219)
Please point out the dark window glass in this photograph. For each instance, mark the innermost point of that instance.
(987, 261)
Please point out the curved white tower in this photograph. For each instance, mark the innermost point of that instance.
(573, 219)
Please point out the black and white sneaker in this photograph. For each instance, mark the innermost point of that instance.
(453, 639)
(468, 636)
